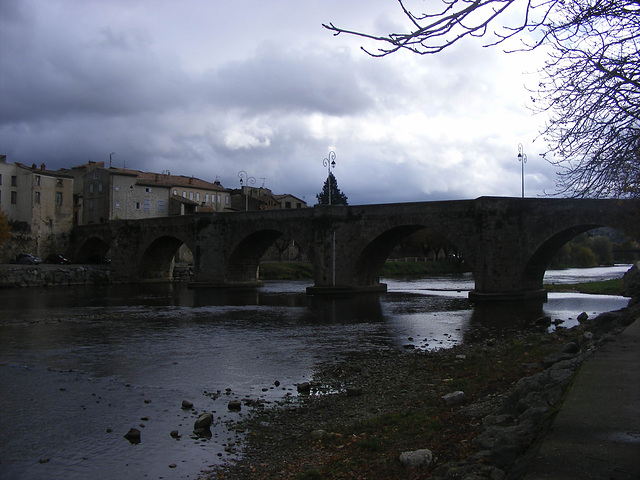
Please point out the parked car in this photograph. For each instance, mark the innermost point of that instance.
(57, 259)
(27, 259)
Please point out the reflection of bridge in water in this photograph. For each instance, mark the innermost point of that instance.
(507, 242)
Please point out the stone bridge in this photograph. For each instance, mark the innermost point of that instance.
(507, 242)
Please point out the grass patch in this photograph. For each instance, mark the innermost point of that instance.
(285, 271)
(603, 287)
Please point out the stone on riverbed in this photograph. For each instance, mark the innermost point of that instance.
(417, 458)
(304, 387)
(187, 405)
(205, 420)
(454, 398)
(133, 435)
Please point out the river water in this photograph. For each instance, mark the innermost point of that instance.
(80, 366)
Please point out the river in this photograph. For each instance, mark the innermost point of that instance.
(79, 366)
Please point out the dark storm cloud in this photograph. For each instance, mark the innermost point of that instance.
(106, 75)
(294, 80)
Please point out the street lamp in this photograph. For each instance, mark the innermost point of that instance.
(522, 158)
(248, 181)
(329, 162)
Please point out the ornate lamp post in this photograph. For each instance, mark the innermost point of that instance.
(248, 181)
(522, 158)
(329, 162)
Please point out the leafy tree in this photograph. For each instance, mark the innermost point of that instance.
(590, 83)
(602, 248)
(5, 228)
(337, 197)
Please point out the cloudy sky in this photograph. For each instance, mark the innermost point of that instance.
(210, 88)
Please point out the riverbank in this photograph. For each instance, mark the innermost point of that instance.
(360, 415)
(45, 275)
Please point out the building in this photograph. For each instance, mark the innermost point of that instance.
(38, 201)
(290, 201)
(262, 198)
(104, 194)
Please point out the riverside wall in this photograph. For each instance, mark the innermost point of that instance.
(12, 276)
(44, 275)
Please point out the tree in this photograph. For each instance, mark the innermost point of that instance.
(337, 197)
(590, 84)
(5, 228)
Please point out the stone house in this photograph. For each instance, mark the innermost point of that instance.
(290, 201)
(39, 202)
(262, 198)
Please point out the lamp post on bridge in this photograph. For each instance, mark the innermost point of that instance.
(329, 162)
(522, 158)
(248, 180)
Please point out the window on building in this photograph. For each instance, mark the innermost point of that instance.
(117, 205)
(14, 181)
(206, 198)
(147, 189)
(190, 195)
(58, 199)
(175, 192)
(147, 204)
(100, 187)
(197, 196)
(90, 205)
(0, 179)
(117, 189)
(160, 206)
(91, 188)
(137, 205)
(226, 200)
(59, 182)
(219, 199)
(184, 194)
(14, 197)
(287, 204)
(37, 198)
(37, 177)
(96, 175)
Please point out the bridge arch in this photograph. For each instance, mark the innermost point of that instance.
(375, 252)
(535, 268)
(92, 250)
(242, 264)
(158, 258)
